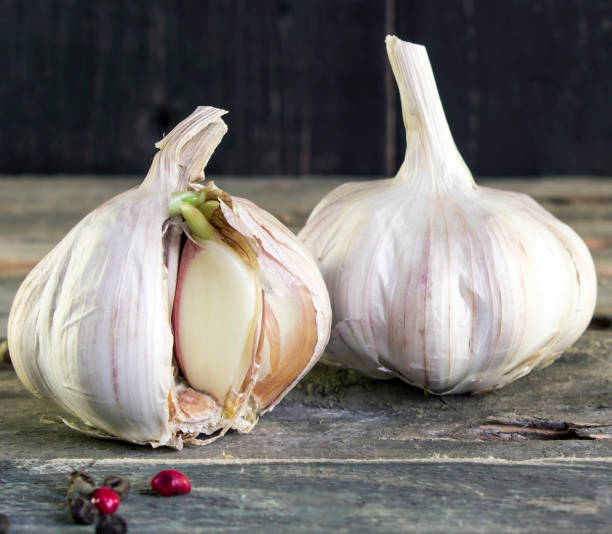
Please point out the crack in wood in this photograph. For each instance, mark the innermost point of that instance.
(520, 429)
(600, 322)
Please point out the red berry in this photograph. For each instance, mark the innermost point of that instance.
(170, 482)
(106, 500)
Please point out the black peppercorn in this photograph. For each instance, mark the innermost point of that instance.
(119, 485)
(4, 524)
(83, 511)
(80, 484)
(111, 524)
(84, 475)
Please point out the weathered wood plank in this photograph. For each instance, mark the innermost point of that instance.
(338, 414)
(89, 87)
(344, 453)
(27, 199)
(335, 497)
(519, 85)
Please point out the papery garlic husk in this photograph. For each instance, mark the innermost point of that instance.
(90, 327)
(451, 287)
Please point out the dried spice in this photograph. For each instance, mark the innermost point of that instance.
(119, 485)
(170, 482)
(111, 524)
(105, 500)
(83, 511)
(80, 484)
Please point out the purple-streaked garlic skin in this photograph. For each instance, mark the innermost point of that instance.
(90, 327)
(449, 286)
(286, 269)
(466, 294)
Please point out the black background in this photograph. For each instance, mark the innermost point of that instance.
(89, 86)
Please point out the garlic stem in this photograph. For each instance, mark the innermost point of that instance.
(194, 198)
(429, 142)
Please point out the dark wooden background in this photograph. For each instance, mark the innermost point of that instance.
(89, 86)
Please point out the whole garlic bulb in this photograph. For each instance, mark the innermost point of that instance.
(90, 327)
(451, 287)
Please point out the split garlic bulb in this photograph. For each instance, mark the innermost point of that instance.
(91, 326)
(451, 287)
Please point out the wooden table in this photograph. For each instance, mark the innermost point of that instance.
(341, 453)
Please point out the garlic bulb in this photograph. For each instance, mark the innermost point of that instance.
(91, 326)
(451, 287)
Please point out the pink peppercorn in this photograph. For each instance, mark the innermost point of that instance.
(105, 500)
(170, 482)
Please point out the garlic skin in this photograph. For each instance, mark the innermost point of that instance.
(90, 327)
(449, 286)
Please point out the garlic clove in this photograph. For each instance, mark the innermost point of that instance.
(90, 327)
(214, 318)
(284, 356)
(448, 286)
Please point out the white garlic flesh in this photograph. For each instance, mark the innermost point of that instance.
(215, 285)
(153, 274)
(449, 286)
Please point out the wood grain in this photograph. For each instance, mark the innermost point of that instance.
(90, 86)
(336, 497)
(522, 82)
